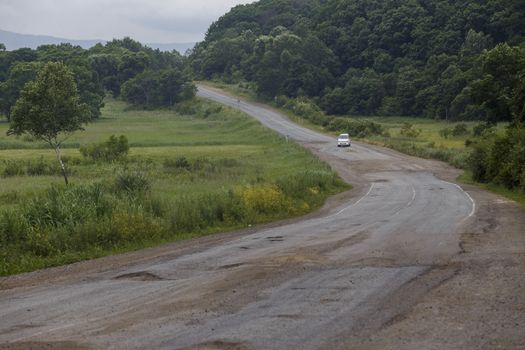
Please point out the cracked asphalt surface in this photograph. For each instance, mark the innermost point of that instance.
(406, 260)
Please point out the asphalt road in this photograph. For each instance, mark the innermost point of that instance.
(406, 260)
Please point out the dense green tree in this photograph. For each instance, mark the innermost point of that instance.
(162, 88)
(174, 86)
(87, 79)
(106, 66)
(141, 90)
(131, 64)
(501, 90)
(49, 109)
(19, 75)
(23, 55)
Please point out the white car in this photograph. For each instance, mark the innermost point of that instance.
(343, 140)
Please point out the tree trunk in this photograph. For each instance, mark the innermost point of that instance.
(57, 151)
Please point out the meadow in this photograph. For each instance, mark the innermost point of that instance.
(428, 138)
(199, 169)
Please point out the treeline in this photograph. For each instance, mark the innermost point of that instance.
(124, 68)
(368, 57)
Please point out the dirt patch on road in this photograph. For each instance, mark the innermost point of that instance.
(286, 260)
(142, 276)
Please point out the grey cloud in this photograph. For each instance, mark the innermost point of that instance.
(144, 20)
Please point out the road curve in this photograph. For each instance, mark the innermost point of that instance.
(383, 266)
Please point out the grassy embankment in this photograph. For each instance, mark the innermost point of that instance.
(433, 139)
(203, 169)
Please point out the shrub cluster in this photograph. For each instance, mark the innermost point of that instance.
(408, 130)
(38, 167)
(460, 129)
(115, 148)
(354, 128)
(131, 181)
(308, 110)
(452, 156)
(199, 166)
(501, 159)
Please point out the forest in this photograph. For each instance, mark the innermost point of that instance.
(123, 67)
(405, 57)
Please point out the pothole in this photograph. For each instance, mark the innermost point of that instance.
(217, 345)
(289, 316)
(143, 276)
(230, 266)
(293, 260)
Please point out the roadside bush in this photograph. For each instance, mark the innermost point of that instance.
(60, 206)
(38, 242)
(483, 129)
(187, 107)
(131, 182)
(408, 130)
(111, 150)
(212, 111)
(303, 108)
(133, 224)
(265, 199)
(13, 227)
(354, 128)
(460, 130)
(191, 213)
(451, 156)
(445, 133)
(500, 160)
(301, 185)
(281, 100)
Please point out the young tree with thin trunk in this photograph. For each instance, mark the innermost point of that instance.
(49, 109)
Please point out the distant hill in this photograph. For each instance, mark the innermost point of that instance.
(180, 47)
(14, 41)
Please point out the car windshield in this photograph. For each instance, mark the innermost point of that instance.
(343, 137)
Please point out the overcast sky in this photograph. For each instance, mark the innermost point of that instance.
(151, 21)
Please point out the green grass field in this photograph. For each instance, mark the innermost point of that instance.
(203, 169)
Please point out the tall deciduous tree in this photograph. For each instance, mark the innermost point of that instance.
(49, 109)
(501, 91)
